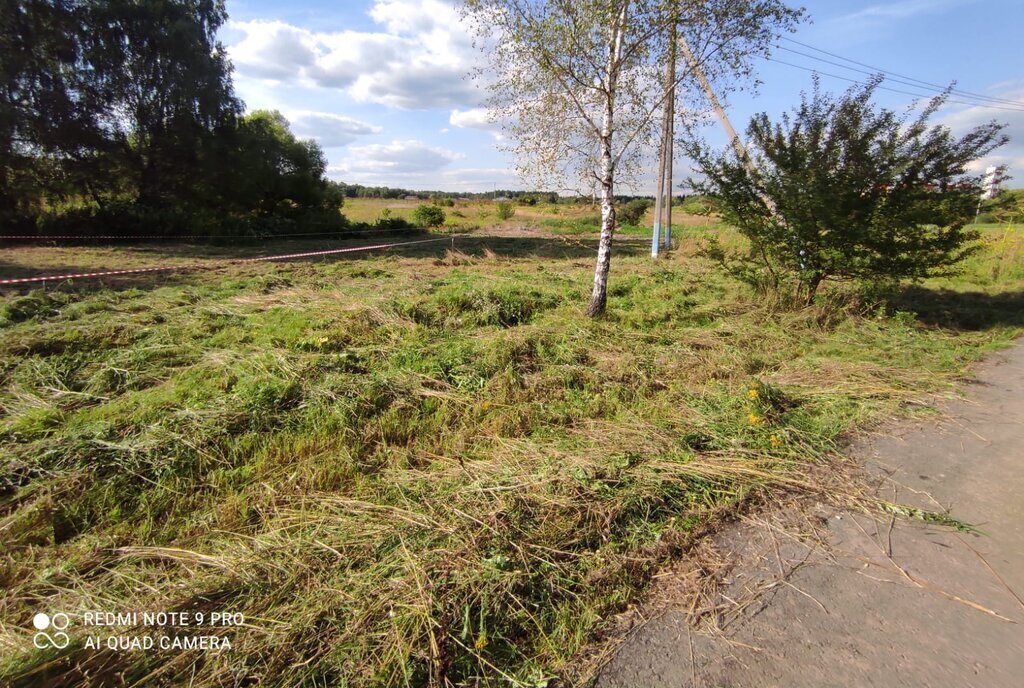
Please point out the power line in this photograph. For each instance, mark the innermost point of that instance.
(886, 88)
(929, 84)
(892, 78)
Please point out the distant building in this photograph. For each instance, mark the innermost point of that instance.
(411, 198)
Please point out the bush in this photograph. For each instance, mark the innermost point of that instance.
(699, 205)
(631, 213)
(1008, 206)
(385, 220)
(428, 216)
(505, 210)
(841, 191)
(133, 219)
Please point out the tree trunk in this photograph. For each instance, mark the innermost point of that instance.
(811, 286)
(599, 295)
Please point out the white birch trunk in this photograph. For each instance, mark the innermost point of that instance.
(599, 295)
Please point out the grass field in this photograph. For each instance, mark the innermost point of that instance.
(425, 465)
(557, 219)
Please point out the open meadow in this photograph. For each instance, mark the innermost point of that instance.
(424, 464)
(563, 219)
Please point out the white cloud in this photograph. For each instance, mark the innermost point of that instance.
(327, 128)
(392, 160)
(474, 118)
(902, 10)
(272, 50)
(420, 59)
(465, 180)
(479, 118)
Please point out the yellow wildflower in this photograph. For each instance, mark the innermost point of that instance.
(775, 441)
(752, 393)
(755, 419)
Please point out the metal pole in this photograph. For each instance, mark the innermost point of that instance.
(665, 151)
(670, 132)
(656, 235)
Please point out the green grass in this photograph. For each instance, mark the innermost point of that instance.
(419, 466)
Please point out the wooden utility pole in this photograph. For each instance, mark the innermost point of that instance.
(723, 118)
(663, 201)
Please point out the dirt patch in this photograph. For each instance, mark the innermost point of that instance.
(816, 596)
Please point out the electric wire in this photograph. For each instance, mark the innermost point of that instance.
(894, 90)
(876, 70)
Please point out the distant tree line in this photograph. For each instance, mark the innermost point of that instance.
(519, 196)
(117, 115)
(529, 197)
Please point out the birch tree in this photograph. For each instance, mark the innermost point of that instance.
(578, 84)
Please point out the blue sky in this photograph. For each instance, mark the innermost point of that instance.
(380, 83)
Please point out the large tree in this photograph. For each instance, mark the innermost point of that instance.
(167, 84)
(579, 81)
(843, 190)
(260, 167)
(47, 118)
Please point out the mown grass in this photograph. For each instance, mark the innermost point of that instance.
(422, 467)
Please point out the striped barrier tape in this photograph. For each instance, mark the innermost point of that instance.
(149, 237)
(208, 266)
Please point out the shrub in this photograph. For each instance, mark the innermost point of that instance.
(839, 190)
(505, 210)
(1008, 206)
(699, 205)
(428, 216)
(631, 213)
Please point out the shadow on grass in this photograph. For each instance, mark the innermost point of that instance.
(106, 258)
(961, 310)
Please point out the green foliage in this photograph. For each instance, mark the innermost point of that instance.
(428, 216)
(167, 90)
(844, 191)
(699, 204)
(282, 176)
(1007, 206)
(632, 212)
(505, 210)
(118, 115)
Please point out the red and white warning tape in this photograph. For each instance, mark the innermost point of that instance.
(213, 264)
(149, 237)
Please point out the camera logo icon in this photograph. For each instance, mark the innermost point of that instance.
(58, 623)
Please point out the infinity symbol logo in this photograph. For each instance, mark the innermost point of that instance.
(59, 622)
